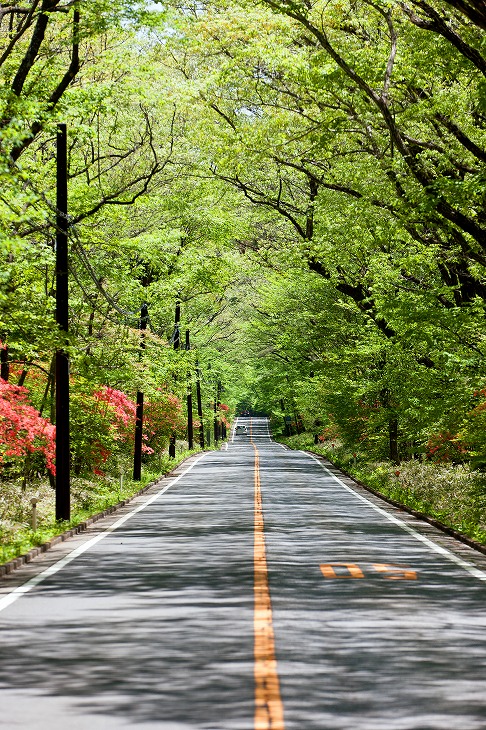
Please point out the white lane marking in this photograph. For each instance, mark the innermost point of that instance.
(481, 575)
(20, 591)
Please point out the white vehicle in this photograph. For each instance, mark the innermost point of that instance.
(240, 430)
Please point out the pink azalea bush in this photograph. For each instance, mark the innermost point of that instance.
(102, 426)
(473, 430)
(223, 414)
(163, 416)
(119, 408)
(445, 447)
(22, 430)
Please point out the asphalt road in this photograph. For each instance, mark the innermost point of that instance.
(256, 591)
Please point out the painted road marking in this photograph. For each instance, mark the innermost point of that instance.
(352, 570)
(479, 574)
(395, 572)
(389, 571)
(20, 591)
(268, 702)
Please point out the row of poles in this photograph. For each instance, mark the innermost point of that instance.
(63, 449)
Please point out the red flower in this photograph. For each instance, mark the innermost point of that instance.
(22, 430)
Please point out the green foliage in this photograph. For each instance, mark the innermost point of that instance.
(473, 430)
(358, 131)
(306, 183)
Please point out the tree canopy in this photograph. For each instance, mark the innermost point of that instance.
(303, 182)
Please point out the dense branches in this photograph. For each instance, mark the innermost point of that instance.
(248, 150)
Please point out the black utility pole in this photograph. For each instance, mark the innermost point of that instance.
(199, 406)
(190, 426)
(216, 424)
(216, 408)
(177, 345)
(4, 367)
(63, 451)
(137, 456)
(219, 403)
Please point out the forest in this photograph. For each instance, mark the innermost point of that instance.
(296, 191)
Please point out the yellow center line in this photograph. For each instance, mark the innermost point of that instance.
(268, 703)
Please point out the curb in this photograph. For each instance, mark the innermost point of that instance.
(420, 515)
(16, 563)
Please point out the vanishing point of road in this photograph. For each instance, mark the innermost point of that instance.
(257, 589)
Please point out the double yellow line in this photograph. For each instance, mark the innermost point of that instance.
(268, 702)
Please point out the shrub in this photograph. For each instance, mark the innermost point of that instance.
(445, 447)
(22, 430)
(474, 430)
(163, 416)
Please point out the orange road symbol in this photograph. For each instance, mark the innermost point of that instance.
(390, 571)
(352, 570)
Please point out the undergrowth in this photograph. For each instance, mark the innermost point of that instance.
(454, 494)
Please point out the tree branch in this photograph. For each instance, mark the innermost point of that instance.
(438, 24)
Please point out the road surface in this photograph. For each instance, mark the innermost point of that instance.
(254, 591)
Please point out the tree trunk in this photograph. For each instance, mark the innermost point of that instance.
(393, 440)
(4, 369)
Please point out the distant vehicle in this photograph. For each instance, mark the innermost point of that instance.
(240, 430)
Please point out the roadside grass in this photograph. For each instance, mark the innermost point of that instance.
(89, 496)
(454, 494)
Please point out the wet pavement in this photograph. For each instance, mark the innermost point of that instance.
(376, 620)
